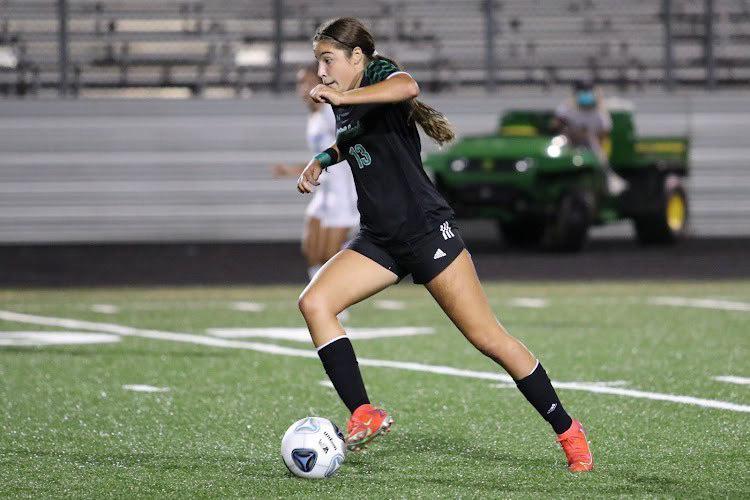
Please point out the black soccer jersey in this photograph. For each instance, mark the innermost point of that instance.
(397, 202)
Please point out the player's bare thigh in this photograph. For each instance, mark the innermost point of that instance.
(459, 293)
(347, 278)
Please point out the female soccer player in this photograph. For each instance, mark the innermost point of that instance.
(333, 210)
(406, 227)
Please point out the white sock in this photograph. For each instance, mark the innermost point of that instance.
(312, 270)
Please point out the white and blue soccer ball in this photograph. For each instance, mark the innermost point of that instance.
(313, 448)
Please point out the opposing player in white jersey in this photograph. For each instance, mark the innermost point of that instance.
(332, 212)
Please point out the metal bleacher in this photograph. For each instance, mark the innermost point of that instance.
(195, 45)
(143, 170)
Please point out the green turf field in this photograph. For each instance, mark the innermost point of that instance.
(635, 363)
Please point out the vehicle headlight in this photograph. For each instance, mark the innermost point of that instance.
(524, 165)
(553, 150)
(459, 164)
(556, 145)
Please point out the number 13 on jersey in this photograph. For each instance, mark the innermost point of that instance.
(361, 155)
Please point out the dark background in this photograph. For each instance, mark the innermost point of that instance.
(276, 263)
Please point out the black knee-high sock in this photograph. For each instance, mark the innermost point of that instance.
(538, 390)
(342, 368)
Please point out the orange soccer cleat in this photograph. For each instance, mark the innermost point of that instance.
(576, 448)
(365, 424)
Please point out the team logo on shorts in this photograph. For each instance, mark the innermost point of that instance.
(446, 230)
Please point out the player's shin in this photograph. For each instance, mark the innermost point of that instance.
(538, 390)
(341, 365)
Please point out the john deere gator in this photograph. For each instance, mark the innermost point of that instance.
(543, 192)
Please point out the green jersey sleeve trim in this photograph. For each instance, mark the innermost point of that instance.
(379, 69)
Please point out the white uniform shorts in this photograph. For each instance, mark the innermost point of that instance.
(335, 200)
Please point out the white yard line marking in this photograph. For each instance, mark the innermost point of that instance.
(673, 398)
(144, 388)
(54, 338)
(389, 305)
(732, 379)
(613, 383)
(308, 353)
(724, 305)
(533, 303)
(303, 335)
(249, 306)
(326, 383)
(104, 308)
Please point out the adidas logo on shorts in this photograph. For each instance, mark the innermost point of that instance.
(446, 230)
(438, 253)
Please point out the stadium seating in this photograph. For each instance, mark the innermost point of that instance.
(229, 44)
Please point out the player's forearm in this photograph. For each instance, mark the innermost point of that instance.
(328, 157)
(401, 87)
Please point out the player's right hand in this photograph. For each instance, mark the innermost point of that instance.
(309, 177)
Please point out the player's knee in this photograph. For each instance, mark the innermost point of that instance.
(491, 346)
(312, 303)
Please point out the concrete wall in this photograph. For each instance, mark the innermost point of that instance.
(198, 170)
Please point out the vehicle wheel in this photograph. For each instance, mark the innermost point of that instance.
(568, 228)
(521, 234)
(669, 223)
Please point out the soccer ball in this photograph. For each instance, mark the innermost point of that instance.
(313, 448)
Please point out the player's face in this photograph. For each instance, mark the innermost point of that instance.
(336, 68)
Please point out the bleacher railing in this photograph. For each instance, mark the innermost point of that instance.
(238, 47)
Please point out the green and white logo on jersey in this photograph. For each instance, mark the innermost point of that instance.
(349, 132)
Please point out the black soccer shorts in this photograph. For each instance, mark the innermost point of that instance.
(423, 258)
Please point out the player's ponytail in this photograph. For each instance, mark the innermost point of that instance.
(349, 32)
(432, 121)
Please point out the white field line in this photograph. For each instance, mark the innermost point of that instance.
(534, 303)
(144, 388)
(303, 335)
(104, 308)
(724, 305)
(326, 383)
(674, 398)
(613, 383)
(732, 379)
(309, 353)
(389, 305)
(248, 306)
(55, 338)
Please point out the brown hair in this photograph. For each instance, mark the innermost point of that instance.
(346, 33)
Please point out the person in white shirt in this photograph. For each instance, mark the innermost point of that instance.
(586, 123)
(332, 212)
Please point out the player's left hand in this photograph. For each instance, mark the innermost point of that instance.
(324, 93)
(309, 177)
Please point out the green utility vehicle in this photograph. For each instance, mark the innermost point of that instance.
(543, 192)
